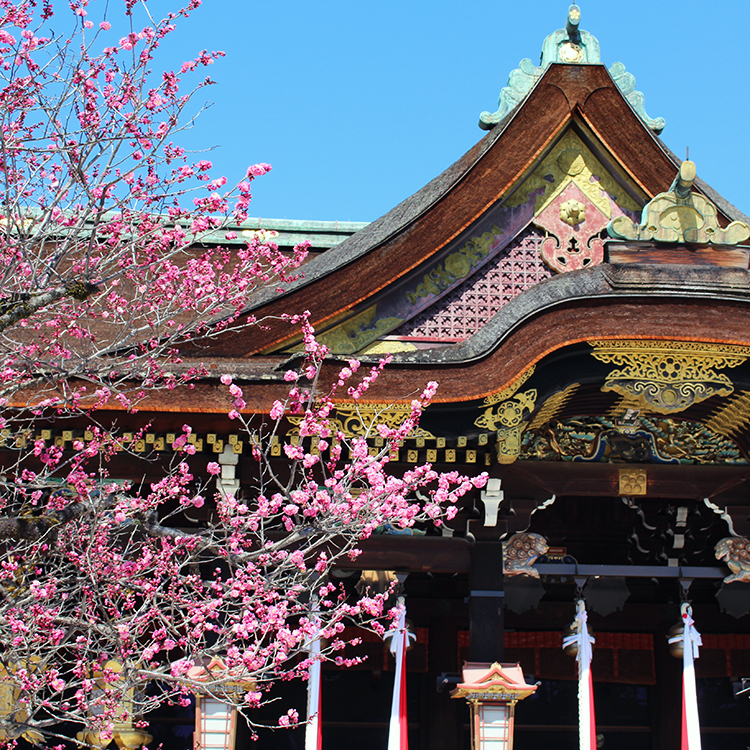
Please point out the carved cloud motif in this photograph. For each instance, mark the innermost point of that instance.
(735, 552)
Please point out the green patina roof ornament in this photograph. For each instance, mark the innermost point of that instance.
(572, 46)
(680, 215)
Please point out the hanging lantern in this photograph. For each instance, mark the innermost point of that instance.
(9, 701)
(216, 718)
(215, 724)
(492, 691)
(131, 738)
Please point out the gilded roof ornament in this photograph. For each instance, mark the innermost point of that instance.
(680, 215)
(572, 46)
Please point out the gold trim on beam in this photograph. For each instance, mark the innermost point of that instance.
(665, 377)
(733, 417)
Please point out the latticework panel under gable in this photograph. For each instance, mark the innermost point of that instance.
(466, 309)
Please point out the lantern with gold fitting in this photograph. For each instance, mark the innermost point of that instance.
(123, 732)
(492, 691)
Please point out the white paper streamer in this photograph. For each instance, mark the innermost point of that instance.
(584, 641)
(312, 729)
(400, 637)
(691, 640)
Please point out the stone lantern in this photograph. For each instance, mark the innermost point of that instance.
(492, 691)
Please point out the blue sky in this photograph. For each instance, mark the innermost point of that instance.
(358, 105)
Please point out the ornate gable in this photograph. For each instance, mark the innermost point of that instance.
(551, 221)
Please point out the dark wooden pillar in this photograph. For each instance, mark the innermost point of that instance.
(442, 725)
(486, 598)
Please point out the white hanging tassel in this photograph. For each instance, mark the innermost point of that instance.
(584, 641)
(691, 640)
(313, 733)
(398, 733)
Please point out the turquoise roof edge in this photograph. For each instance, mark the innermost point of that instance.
(287, 232)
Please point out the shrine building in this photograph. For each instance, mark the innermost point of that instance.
(583, 299)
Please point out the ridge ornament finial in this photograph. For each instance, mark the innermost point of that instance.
(571, 46)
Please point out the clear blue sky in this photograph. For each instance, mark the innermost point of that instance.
(358, 105)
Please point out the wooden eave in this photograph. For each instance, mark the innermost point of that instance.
(467, 375)
(410, 234)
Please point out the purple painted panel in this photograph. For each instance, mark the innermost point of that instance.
(467, 308)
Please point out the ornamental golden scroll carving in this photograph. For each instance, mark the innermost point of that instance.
(509, 418)
(458, 265)
(359, 420)
(665, 377)
(357, 331)
(501, 395)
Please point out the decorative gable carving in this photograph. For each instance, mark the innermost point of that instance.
(470, 306)
(666, 377)
(680, 215)
(574, 197)
(570, 160)
(574, 225)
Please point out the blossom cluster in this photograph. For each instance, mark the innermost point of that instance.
(119, 595)
(102, 272)
(112, 576)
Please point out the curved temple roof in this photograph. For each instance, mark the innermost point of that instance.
(575, 128)
(580, 295)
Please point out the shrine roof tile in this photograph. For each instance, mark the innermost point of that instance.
(381, 252)
(322, 235)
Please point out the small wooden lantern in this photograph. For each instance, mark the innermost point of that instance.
(215, 724)
(492, 691)
(216, 719)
